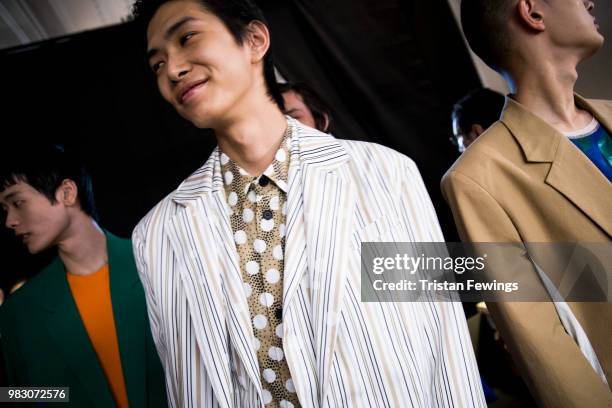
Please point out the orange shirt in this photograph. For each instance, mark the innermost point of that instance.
(93, 299)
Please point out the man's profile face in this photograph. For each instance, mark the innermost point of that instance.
(200, 68)
(571, 24)
(29, 213)
(297, 109)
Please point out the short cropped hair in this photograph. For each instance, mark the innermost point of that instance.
(486, 28)
(311, 99)
(482, 106)
(235, 15)
(44, 168)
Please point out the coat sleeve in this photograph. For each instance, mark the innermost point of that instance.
(457, 380)
(8, 374)
(142, 256)
(551, 363)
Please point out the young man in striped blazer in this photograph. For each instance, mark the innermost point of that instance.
(252, 266)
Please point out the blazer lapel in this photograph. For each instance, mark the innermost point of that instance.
(571, 172)
(202, 238)
(130, 315)
(320, 210)
(573, 175)
(68, 333)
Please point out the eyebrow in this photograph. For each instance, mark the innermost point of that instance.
(9, 196)
(171, 30)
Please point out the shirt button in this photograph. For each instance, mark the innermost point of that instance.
(267, 215)
(264, 180)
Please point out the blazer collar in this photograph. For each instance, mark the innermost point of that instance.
(539, 140)
(315, 149)
(571, 172)
(536, 137)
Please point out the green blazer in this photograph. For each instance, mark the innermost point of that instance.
(44, 342)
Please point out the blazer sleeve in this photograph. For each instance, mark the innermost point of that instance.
(8, 375)
(140, 256)
(553, 366)
(459, 372)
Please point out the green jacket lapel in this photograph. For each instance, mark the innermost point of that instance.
(130, 315)
(68, 332)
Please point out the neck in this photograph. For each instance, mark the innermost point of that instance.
(83, 250)
(252, 138)
(546, 88)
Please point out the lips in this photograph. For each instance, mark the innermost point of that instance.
(25, 237)
(186, 92)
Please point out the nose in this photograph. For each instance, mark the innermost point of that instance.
(590, 5)
(177, 68)
(11, 220)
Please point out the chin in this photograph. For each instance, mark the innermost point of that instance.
(593, 46)
(36, 247)
(33, 250)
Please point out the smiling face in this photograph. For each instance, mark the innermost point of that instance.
(200, 67)
(34, 219)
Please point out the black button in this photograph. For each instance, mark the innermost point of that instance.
(279, 314)
(267, 215)
(264, 180)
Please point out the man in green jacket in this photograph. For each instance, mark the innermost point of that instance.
(82, 321)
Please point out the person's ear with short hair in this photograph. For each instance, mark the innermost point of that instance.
(258, 38)
(67, 193)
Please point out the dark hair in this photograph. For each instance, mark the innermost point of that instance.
(44, 168)
(312, 100)
(485, 25)
(235, 14)
(482, 106)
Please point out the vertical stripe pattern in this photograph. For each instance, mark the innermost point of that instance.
(341, 352)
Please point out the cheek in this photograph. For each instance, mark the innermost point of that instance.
(164, 89)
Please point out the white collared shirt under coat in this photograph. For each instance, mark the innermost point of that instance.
(341, 352)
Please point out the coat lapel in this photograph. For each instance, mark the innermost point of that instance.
(68, 333)
(202, 238)
(130, 315)
(320, 220)
(571, 172)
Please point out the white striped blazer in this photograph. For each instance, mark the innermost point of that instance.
(341, 352)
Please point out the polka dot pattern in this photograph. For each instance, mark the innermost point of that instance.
(258, 217)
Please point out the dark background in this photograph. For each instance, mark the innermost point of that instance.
(391, 71)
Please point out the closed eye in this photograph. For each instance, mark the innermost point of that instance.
(186, 37)
(155, 67)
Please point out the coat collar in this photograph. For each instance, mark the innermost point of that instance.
(571, 172)
(314, 149)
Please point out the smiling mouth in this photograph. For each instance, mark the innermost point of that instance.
(25, 237)
(191, 91)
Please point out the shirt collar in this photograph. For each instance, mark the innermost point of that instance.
(237, 179)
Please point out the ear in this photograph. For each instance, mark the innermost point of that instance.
(531, 13)
(258, 40)
(477, 129)
(326, 122)
(67, 193)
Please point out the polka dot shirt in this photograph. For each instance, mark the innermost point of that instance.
(258, 215)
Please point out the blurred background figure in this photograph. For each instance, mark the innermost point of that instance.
(303, 103)
(473, 114)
